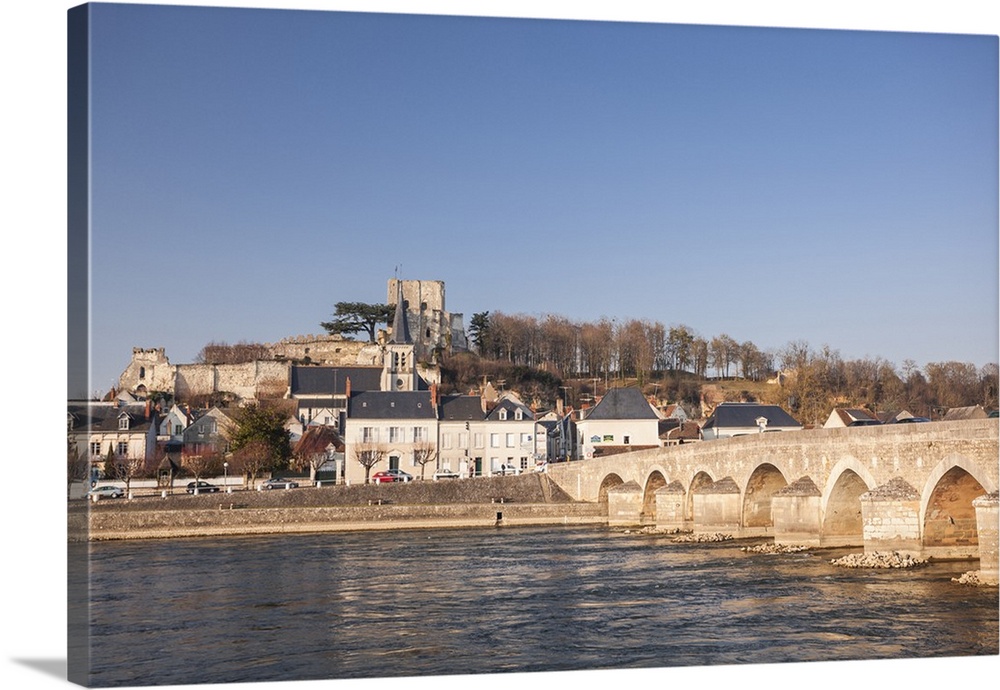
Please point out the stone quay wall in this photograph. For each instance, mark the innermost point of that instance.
(477, 502)
(231, 517)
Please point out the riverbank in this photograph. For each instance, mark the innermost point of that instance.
(481, 502)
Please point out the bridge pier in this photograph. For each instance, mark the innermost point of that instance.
(670, 507)
(890, 517)
(625, 505)
(717, 508)
(797, 515)
(987, 514)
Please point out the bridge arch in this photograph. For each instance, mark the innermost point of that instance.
(654, 480)
(947, 516)
(842, 523)
(763, 483)
(610, 481)
(699, 480)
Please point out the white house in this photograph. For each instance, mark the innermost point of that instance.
(622, 421)
(510, 436)
(391, 427)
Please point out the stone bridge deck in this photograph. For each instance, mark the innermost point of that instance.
(928, 489)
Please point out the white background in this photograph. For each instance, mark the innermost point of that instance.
(34, 333)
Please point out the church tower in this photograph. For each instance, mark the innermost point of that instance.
(398, 366)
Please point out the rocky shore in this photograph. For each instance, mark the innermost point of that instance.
(774, 548)
(878, 559)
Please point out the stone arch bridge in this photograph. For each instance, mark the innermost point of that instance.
(929, 489)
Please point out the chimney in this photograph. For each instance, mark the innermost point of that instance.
(347, 387)
(434, 395)
(147, 408)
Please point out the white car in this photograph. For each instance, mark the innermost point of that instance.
(506, 470)
(445, 474)
(105, 491)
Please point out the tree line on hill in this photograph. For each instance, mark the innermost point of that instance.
(542, 356)
(673, 362)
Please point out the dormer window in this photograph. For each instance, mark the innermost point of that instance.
(518, 415)
(503, 415)
(123, 423)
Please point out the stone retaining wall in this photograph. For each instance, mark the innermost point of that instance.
(230, 518)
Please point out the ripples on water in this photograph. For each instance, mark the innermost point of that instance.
(357, 605)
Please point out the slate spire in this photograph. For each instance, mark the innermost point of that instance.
(400, 329)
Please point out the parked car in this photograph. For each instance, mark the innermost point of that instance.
(276, 483)
(202, 487)
(387, 476)
(541, 466)
(105, 491)
(912, 420)
(506, 470)
(445, 474)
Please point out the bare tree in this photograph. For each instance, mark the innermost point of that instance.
(424, 452)
(252, 459)
(368, 455)
(224, 353)
(202, 464)
(127, 468)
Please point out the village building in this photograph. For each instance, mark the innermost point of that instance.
(731, 419)
(842, 417)
(622, 421)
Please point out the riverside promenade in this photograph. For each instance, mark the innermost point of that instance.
(530, 499)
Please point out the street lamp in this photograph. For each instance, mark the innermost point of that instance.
(225, 470)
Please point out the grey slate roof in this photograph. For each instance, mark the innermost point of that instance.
(728, 415)
(306, 403)
(623, 403)
(461, 408)
(511, 406)
(391, 405)
(400, 328)
(313, 381)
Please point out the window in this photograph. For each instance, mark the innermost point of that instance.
(524, 464)
(494, 440)
(479, 440)
(123, 422)
(503, 415)
(396, 434)
(419, 434)
(463, 440)
(123, 448)
(625, 440)
(178, 429)
(95, 448)
(142, 372)
(510, 440)
(518, 415)
(446, 441)
(369, 434)
(525, 439)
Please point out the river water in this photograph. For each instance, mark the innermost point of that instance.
(379, 604)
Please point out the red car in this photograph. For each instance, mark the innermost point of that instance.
(391, 476)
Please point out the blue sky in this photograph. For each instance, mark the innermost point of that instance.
(252, 167)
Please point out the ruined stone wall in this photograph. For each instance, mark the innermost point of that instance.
(150, 369)
(331, 350)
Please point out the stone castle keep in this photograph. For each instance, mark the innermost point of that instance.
(433, 329)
